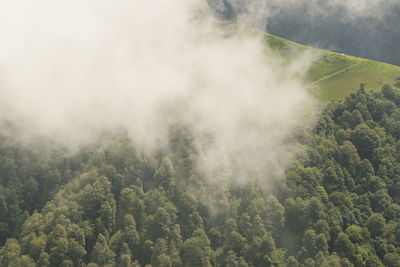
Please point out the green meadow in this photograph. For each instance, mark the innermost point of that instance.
(334, 75)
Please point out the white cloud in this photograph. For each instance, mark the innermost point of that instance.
(72, 68)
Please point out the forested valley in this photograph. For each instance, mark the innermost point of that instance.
(109, 204)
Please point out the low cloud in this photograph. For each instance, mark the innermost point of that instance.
(70, 69)
(261, 10)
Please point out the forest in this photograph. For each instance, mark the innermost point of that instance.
(110, 204)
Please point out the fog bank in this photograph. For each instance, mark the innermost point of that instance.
(70, 69)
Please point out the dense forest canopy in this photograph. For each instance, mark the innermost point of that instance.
(140, 136)
(109, 204)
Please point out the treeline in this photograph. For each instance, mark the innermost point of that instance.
(110, 205)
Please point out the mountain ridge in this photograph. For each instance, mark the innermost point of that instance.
(336, 75)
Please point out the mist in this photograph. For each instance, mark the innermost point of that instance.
(367, 29)
(71, 69)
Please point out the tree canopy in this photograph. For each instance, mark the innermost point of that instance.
(108, 204)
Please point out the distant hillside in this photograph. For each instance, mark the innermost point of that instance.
(367, 29)
(336, 75)
(374, 34)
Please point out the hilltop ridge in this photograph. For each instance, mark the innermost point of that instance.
(336, 75)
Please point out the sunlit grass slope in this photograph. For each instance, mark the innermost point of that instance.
(336, 75)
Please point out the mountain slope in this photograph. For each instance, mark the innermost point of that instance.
(338, 204)
(336, 75)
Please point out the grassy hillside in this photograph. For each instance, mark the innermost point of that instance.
(336, 75)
